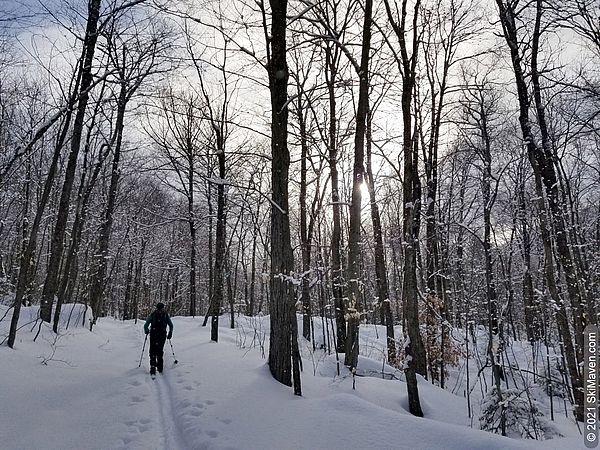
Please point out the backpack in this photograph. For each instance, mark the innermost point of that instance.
(160, 320)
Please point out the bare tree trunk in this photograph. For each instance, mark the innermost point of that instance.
(383, 291)
(252, 300)
(192, 226)
(70, 265)
(304, 238)
(281, 306)
(496, 343)
(354, 307)
(332, 58)
(560, 310)
(211, 274)
(529, 298)
(411, 187)
(219, 242)
(545, 162)
(89, 47)
(230, 295)
(127, 302)
(137, 282)
(99, 265)
(460, 248)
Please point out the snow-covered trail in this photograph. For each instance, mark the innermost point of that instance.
(159, 402)
(91, 394)
(172, 436)
(85, 390)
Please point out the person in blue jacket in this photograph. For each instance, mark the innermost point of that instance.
(156, 325)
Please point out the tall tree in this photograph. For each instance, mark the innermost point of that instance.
(481, 103)
(354, 308)
(304, 103)
(411, 186)
(217, 116)
(332, 59)
(29, 245)
(283, 337)
(58, 236)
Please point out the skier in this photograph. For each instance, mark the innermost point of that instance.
(156, 325)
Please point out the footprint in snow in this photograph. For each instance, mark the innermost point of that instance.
(212, 433)
(225, 421)
(196, 412)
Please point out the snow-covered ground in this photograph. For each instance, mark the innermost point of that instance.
(84, 390)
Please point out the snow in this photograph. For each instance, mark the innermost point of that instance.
(84, 390)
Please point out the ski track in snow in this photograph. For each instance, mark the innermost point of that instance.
(169, 426)
(173, 438)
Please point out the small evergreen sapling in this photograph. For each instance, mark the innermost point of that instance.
(524, 418)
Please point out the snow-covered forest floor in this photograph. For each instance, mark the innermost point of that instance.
(85, 390)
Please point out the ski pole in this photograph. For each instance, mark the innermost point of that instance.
(173, 351)
(143, 348)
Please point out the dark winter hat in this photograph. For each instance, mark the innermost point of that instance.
(160, 305)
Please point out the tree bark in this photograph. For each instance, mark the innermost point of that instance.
(282, 301)
(529, 297)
